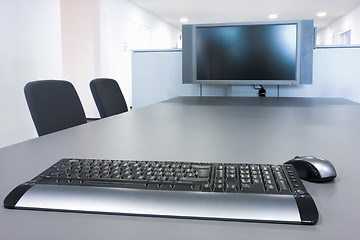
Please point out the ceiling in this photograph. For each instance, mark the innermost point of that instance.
(216, 11)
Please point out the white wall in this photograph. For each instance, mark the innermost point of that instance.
(80, 35)
(330, 34)
(125, 27)
(336, 74)
(97, 39)
(30, 49)
(152, 82)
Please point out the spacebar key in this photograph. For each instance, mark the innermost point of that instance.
(119, 184)
(194, 180)
(183, 186)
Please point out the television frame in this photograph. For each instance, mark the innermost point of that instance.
(305, 44)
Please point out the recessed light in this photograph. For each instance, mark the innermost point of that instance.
(273, 16)
(184, 20)
(321, 14)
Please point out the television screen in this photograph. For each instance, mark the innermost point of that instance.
(248, 52)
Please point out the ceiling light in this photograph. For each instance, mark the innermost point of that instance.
(273, 16)
(321, 14)
(184, 20)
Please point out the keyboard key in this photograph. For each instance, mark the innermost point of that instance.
(252, 188)
(279, 175)
(203, 173)
(206, 187)
(231, 188)
(220, 173)
(283, 187)
(219, 187)
(271, 189)
(245, 181)
(193, 180)
(183, 186)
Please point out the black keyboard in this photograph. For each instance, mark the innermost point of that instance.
(231, 191)
(181, 176)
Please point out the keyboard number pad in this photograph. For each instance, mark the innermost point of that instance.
(251, 180)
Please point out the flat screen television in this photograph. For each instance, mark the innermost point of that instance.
(248, 53)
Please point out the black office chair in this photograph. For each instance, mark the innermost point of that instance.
(108, 97)
(54, 105)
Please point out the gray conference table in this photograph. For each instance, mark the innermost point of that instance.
(205, 129)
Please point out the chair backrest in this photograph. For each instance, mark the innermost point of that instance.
(108, 97)
(54, 105)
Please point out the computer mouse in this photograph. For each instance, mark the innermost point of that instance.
(313, 169)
